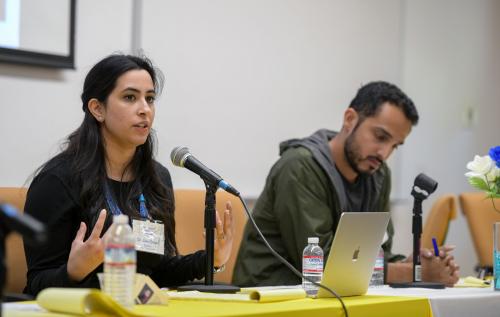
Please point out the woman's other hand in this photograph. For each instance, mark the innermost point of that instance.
(224, 230)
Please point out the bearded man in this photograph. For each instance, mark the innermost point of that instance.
(319, 177)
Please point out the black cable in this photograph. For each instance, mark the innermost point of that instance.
(286, 263)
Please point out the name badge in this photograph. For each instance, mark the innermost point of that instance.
(149, 236)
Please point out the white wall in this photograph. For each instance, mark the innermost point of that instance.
(241, 76)
(39, 107)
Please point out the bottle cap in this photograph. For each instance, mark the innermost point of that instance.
(121, 219)
(313, 240)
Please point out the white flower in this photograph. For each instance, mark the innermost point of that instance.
(480, 167)
(493, 174)
(484, 174)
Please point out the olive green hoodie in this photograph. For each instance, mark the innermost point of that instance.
(303, 197)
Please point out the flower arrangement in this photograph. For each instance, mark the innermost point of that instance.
(484, 173)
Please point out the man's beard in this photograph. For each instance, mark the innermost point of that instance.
(351, 152)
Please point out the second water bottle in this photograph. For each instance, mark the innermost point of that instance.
(312, 265)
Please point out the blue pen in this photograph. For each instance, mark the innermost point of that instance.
(436, 249)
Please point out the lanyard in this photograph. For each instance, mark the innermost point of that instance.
(115, 209)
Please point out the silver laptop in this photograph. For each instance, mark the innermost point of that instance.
(353, 253)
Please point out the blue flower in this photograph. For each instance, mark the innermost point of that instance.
(495, 155)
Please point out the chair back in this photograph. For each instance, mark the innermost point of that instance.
(15, 260)
(438, 220)
(481, 216)
(189, 224)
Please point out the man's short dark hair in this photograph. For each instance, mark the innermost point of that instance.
(371, 96)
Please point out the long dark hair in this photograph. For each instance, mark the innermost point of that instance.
(84, 148)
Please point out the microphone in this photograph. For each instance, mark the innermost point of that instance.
(30, 228)
(423, 186)
(181, 157)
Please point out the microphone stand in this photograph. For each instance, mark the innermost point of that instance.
(417, 236)
(210, 224)
(418, 195)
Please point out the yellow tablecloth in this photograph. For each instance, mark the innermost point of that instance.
(358, 306)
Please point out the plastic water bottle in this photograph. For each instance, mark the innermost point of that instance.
(377, 278)
(120, 262)
(496, 256)
(312, 265)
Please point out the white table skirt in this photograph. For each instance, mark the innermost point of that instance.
(452, 302)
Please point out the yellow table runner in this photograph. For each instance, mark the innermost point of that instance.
(358, 306)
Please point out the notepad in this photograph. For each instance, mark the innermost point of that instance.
(84, 302)
(470, 281)
(262, 295)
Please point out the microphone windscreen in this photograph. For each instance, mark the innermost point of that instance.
(31, 229)
(178, 155)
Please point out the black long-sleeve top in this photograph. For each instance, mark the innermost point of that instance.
(53, 199)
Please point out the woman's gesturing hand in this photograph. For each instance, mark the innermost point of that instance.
(85, 256)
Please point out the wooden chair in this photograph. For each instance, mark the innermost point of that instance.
(481, 216)
(189, 223)
(438, 220)
(14, 248)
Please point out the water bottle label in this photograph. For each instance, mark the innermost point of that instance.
(312, 264)
(379, 264)
(120, 254)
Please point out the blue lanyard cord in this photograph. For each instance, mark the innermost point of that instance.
(143, 210)
(115, 209)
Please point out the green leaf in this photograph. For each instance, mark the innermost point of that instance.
(479, 183)
(492, 195)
